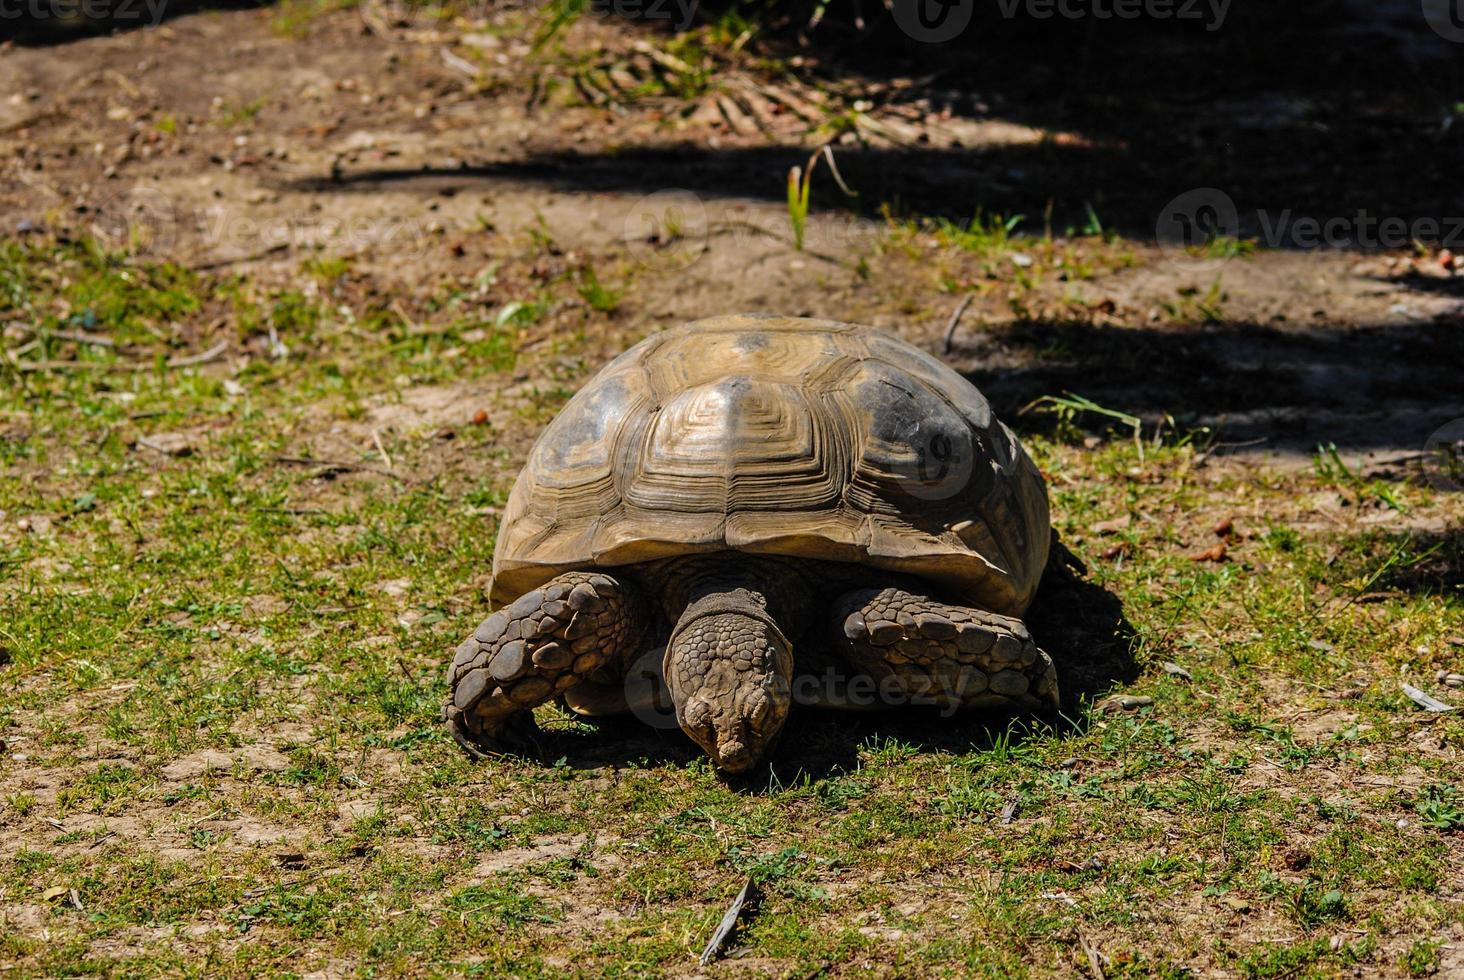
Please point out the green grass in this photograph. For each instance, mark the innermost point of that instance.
(222, 673)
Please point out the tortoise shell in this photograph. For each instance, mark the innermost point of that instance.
(787, 436)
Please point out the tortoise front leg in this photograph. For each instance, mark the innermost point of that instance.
(931, 652)
(543, 643)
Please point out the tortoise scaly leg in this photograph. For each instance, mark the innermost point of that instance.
(543, 643)
(930, 652)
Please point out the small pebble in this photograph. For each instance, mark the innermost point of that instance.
(1124, 702)
(1177, 671)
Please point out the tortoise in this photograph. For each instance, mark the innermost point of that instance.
(769, 509)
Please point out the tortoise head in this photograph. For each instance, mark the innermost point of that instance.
(729, 669)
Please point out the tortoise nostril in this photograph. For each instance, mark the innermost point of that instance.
(734, 755)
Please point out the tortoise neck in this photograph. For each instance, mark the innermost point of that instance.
(729, 662)
(780, 589)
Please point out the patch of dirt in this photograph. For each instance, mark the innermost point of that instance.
(353, 810)
(1320, 725)
(252, 758)
(508, 859)
(248, 833)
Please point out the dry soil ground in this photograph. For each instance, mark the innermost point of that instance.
(287, 293)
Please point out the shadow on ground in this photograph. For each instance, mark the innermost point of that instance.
(1313, 108)
(1422, 563)
(41, 23)
(1284, 387)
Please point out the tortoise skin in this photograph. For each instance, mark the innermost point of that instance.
(784, 436)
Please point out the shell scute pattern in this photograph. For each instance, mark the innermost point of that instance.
(786, 436)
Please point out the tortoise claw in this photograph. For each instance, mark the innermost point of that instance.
(517, 735)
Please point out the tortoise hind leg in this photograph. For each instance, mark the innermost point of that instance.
(931, 652)
(543, 643)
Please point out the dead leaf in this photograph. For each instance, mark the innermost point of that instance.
(1124, 702)
(1225, 528)
(1095, 958)
(1115, 525)
(168, 443)
(1216, 553)
(1176, 670)
(1296, 858)
(746, 899)
(1425, 700)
